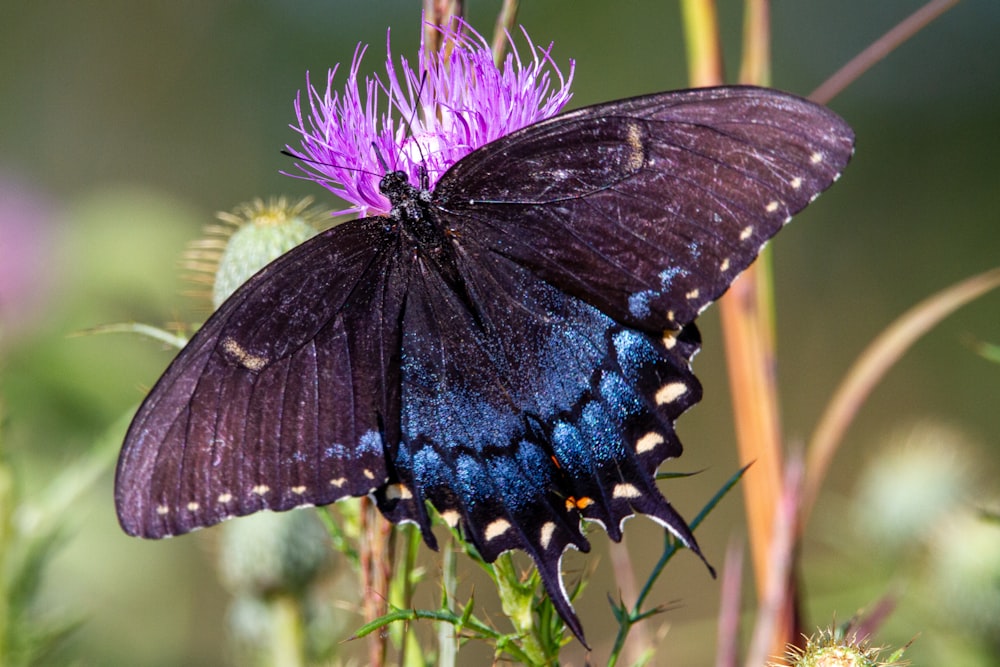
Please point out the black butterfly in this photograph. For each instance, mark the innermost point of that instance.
(513, 347)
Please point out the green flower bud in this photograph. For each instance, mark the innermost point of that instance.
(922, 475)
(254, 234)
(834, 648)
(270, 553)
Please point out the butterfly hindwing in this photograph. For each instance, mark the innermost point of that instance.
(649, 207)
(287, 396)
(525, 409)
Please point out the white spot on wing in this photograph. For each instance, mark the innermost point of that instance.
(260, 489)
(626, 491)
(193, 506)
(368, 473)
(746, 233)
(648, 442)
(162, 510)
(816, 157)
(450, 517)
(496, 529)
(670, 392)
(724, 266)
(545, 535)
(338, 482)
(796, 183)
(693, 294)
(224, 498)
(772, 206)
(398, 492)
(298, 490)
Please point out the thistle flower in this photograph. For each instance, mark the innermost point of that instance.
(453, 102)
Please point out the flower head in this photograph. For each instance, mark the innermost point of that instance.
(453, 102)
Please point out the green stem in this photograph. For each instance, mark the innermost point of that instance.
(287, 636)
(446, 636)
(629, 617)
(517, 600)
(871, 366)
(701, 36)
(504, 24)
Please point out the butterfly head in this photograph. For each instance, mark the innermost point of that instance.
(395, 185)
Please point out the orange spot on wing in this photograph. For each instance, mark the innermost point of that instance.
(579, 503)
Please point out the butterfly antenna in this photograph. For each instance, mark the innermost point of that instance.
(421, 168)
(297, 156)
(380, 158)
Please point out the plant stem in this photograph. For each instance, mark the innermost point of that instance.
(505, 23)
(880, 48)
(701, 32)
(880, 355)
(287, 641)
(447, 639)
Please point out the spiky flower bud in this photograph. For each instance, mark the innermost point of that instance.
(835, 648)
(253, 235)
(269, 553)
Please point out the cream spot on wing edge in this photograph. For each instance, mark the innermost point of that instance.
(772, 206)
(260, 489)
(796, 183)
(368, 473)
(724, 266)
(496, 529)
(450, 517)
(298, 490)
(669, 393)
(162, 510)
(746, 233)
(193, 506)
(236, 352)
(545, 535)
(626, 491)
(693, 294)
(648, 442)
(669, 339)
(224, 498)
(398, 492)
(816, 157)
(339, 482)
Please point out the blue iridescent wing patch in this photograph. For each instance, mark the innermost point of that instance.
(512, 348)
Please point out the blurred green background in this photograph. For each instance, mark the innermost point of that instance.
(124, 126)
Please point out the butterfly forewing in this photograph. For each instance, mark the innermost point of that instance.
(648, 208)
(287, 396)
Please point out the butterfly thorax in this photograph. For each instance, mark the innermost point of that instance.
(411, 209)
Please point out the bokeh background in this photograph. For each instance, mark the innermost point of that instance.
(125, 126)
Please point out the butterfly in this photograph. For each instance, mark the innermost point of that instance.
(511, 348)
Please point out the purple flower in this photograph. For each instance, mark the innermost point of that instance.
(455, 101)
